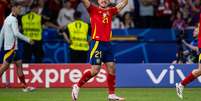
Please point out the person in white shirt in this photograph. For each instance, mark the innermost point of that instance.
(65, 14)
(128, 8)
(8, 41)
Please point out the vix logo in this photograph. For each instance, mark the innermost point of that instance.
(170, 73)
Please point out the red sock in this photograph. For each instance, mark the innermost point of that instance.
(111, 83)
(188, 79)
(22, 80)
(84, 78)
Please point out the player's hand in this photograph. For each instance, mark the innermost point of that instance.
(31, 42)
(69, 41)
(183, 41)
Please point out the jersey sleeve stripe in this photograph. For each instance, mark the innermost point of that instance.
(94, 34)
(8, 54)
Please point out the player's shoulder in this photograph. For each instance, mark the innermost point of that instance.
(11, 18)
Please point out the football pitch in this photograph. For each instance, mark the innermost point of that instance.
(99, 94)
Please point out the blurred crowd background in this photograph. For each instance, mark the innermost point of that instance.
(137, 14)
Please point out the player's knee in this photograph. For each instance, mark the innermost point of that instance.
(5, 66)
(95, 71)
(112, 72)
(197, 72)
(111, 69)
(19, 63)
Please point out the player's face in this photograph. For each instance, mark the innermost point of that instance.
(103, 3)
(18, 9)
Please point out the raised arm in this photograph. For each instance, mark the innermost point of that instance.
(194, 48)
(86, 3)
(121, 5)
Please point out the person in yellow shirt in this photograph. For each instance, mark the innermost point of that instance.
(32, 27)
(77, 37)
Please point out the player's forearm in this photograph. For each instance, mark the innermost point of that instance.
(1, 40)
(66, 37)
(122, 4)
(22, 37)
(190, 46)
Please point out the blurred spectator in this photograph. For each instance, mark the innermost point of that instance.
(116, 23)
(195, 11)
(78, 39)
(163, 14)
(187, 13)
(191, 54)
(25, 6)
(128, 20)
(65, 14)
(85, 15)
(179, 23)
(129, 7)
(51, 10)
(41, 6)
(3, 7)
(74, 3)
(146, 13)
(181, 2)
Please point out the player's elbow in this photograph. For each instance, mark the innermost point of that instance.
(17, 34)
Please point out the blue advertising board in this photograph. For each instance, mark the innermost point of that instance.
(153, 46)
(153, 75)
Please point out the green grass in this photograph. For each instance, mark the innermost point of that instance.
(100, 94)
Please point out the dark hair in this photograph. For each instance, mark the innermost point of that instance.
(77, 14)
(33, 6)
(15, 4)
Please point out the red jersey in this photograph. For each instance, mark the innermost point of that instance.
(101, 20)
(199, 34)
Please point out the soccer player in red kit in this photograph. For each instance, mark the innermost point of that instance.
(195, 73)
(100, 46)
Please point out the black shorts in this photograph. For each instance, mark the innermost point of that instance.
(101, 52)
(11, 55)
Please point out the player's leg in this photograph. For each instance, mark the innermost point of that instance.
(111, 77)
(95, 61)
(7, 59)
(111, 82)
(109, 60)
(86, 76)
(89, 74)
(20, 74)
(191, 77)
(4, 67)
